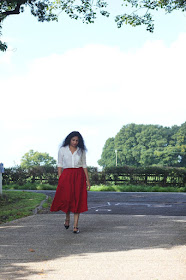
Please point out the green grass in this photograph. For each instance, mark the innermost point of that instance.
(136, 188)
(30, 186)
(48, 203)
(18, 204)
(98, 188)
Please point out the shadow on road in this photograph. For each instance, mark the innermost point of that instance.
(41, 238)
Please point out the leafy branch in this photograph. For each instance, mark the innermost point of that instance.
(86, 10)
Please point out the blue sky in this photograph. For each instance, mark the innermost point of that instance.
(62, 76)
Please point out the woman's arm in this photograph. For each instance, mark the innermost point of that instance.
(87, 178)
(60, 161)
(60, 170)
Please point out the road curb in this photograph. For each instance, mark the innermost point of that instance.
(38, 208)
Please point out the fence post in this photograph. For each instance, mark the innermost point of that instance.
(1, 171)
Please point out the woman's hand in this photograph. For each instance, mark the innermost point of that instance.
(87, 179)
(60, 170)
(88, 186)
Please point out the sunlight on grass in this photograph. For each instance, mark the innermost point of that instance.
(101, 188)
(135, 188)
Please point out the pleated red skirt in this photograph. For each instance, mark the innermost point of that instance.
(71, 192)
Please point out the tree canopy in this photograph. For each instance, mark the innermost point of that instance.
(32, 159)
(133, 12)
(146, 145)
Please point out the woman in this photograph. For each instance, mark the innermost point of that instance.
(71, 192)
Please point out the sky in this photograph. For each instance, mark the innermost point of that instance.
(57, 77)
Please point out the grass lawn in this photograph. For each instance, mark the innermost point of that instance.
(18, 204)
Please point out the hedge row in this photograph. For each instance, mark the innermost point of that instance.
(154, 175)
(21, 176)
(163, 176)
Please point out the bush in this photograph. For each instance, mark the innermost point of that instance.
(35, 174)
(46, 176)
(154, 175)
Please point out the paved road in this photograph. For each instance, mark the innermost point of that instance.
(136, 246)
(165, 204)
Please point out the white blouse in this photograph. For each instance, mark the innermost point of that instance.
(68, 160)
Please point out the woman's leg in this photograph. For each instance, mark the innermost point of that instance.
(67, 220)
(76, 219)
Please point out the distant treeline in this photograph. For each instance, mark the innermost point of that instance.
(146, 145)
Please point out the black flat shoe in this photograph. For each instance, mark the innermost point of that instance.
(66, 226)
(76, 231)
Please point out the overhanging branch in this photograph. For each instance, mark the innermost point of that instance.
(16, 11)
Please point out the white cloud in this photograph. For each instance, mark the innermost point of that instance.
(99, 80)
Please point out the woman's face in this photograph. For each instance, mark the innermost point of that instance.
(74, 141)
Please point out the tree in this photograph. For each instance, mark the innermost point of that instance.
(108, 154)
(48, 10)
(146, 145)
(36, 159)
(43, 10)
(180, 138)
(136, 12)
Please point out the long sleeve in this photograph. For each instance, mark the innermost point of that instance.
(60, 157)
(84, 163)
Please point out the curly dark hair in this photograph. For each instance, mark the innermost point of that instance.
(81, 143)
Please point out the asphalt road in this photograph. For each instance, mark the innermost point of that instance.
(130, 236)
(165, 204)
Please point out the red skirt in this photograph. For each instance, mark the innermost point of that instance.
(71, 192)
